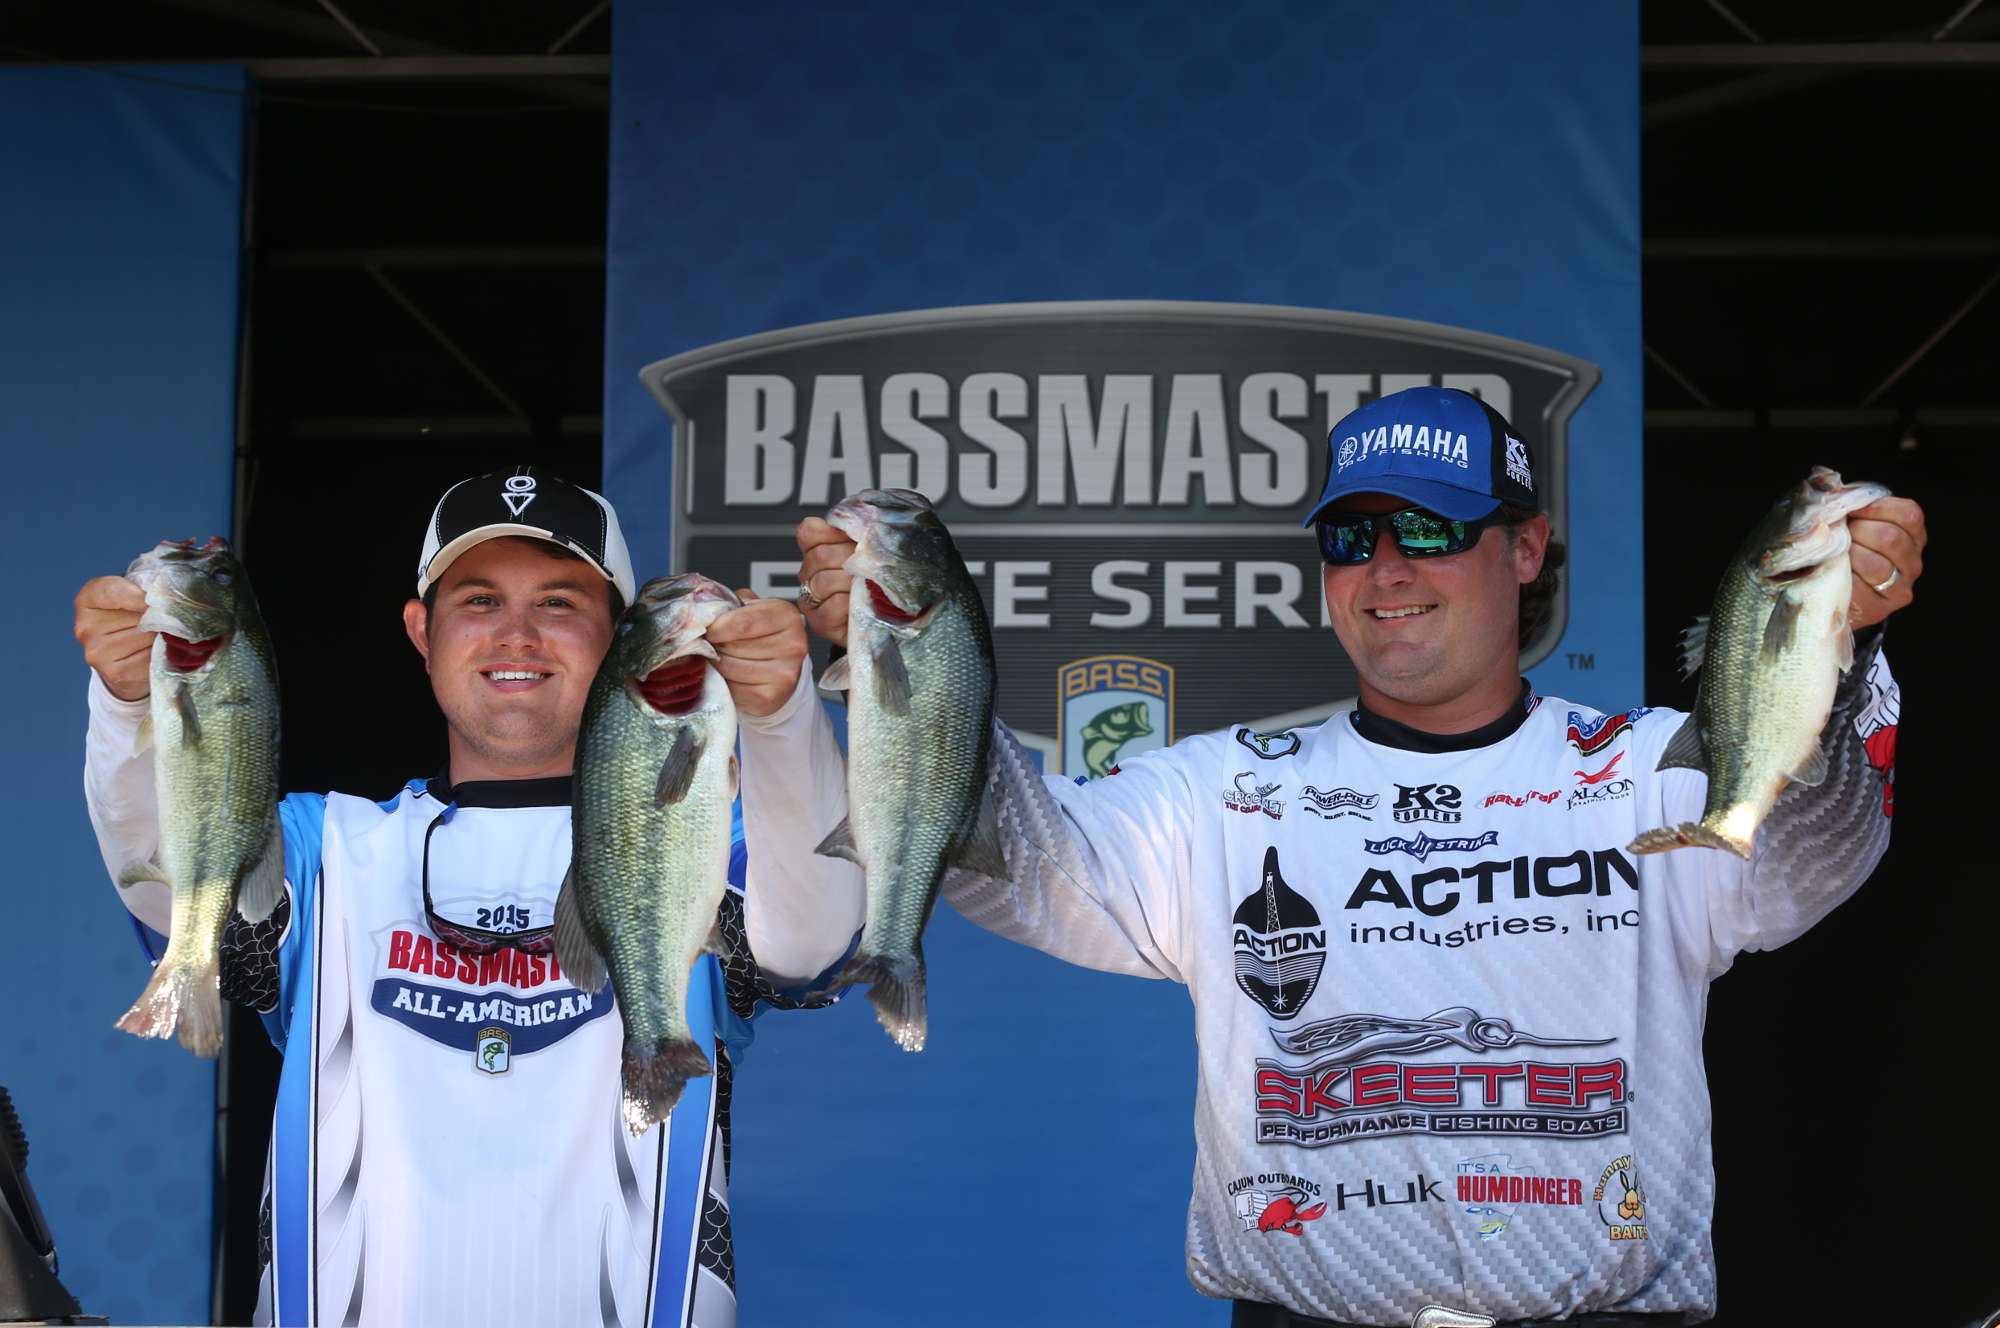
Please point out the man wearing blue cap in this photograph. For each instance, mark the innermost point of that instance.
(1449, 1026)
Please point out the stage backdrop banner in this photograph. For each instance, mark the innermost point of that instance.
(1098, 281)
(120, 222)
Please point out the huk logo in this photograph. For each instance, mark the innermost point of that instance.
(1332, 804)
(1279, 943)
(1517, 464)
(490, 1052)
(1591, 736)
(517, 493)
(1621, 1200)
(1276, 1201)
(1112, 707)
(1426, 802)
(1270, 746)
(1255, 798)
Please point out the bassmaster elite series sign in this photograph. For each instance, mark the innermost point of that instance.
(1125, 480)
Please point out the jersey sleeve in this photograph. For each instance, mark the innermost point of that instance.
(1820, 843)
(260, 960)
(747, 988)
(124, 810)
(1096, 873)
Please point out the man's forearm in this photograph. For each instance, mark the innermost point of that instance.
(802, 909)
(119, 793)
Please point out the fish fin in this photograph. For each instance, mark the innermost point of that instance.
(839, 675)
(263, 885)
(1780, 630)
(190, 719)
(575, 951)
(180, 997)
(654, 1077)
(839, 843)
(143, 869)
(1843, 647)
(1685, 750)
(892, 677)
(896, 990)
(677, 771)
(980, 850)
(1688, 834)
(714, 944)
(1812, 770)
(143, 739)
(1694, 646)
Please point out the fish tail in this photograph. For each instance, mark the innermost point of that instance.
(896, 990)
(654, 1077)
(181, 996)
(1688, 834)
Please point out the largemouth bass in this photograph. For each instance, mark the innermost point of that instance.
(1770, 654)
(655, 778)
(213, 727)
(920, 679)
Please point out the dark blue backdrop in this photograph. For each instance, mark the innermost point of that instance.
(1458, 161)
(120, 222)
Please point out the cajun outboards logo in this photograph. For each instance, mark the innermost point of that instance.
(1121, 476)
(1280, 945)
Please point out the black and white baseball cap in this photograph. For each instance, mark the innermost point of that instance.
(526, 501)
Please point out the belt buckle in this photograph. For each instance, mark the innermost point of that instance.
(1444, 1316)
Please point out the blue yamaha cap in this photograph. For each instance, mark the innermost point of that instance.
(1436, 446)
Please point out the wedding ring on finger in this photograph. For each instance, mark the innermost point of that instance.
(1883, 588)
(806, 593)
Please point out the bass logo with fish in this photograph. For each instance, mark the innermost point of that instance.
(1109, 707)
(490, 1052)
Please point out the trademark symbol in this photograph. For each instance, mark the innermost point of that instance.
(1581, 659)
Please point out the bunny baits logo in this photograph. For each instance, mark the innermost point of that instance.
(1276, 1202)
(466, 1005)
(1620, 1197)
(1591, 736)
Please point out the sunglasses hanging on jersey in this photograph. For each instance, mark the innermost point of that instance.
(477, 940)
(1348, 538)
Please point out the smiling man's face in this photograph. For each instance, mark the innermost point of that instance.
(511, 646)
(1435, 639)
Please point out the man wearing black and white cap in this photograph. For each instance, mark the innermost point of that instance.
(1449, 1028)
(448, 1144)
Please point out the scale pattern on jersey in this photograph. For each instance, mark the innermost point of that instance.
(249, 956)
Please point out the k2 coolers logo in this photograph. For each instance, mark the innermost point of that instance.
(1123, 478)
(468, 1004)
(1426, 802)
(1358, 1083)
(1279, 943)
(1335, 804)
(1112, 707)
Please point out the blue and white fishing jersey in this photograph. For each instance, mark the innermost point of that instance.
(1450, 1027)
(448, 1146)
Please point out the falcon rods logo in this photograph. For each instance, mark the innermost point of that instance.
(1122, 477)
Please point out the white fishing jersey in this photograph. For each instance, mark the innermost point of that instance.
(1450, 1028)
(448, 1145)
